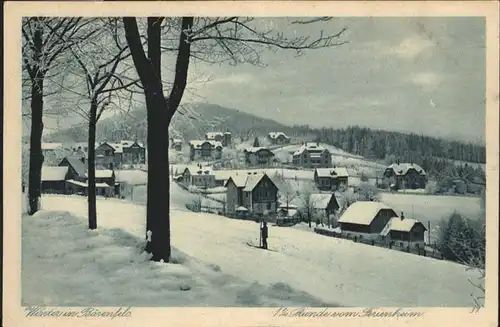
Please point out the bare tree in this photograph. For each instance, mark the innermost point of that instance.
(98, 65)
(45, 40)
(215, 40)
(308, 204)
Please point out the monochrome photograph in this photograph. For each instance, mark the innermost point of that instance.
(245, 161)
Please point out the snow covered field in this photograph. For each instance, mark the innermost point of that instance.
(432, 207)
(65, 264)
(331, 270)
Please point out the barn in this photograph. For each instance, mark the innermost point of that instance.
(365, 219)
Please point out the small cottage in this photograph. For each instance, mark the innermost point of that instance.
(403, 232)
(278, 138)
(324, 204)
(365, 219)
(258, 156)
(54, 179)
(327, 179)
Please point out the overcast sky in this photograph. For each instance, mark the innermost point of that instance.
(424, 75)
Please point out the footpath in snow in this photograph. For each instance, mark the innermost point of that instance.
(329, 269)
(65, 264)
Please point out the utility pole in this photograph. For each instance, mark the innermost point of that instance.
(429, 231)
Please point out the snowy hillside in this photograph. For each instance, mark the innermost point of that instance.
(108, 268)
(331, 270)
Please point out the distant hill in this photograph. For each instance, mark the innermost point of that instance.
(190, 122)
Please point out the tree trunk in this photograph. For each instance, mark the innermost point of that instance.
(91, 191)
(159, 114)
(158, 189)
(36, 155)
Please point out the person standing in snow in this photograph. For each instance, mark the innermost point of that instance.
(263, 233)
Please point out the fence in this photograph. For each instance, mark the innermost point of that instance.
(426, 251)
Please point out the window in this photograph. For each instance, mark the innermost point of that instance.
(269, 206)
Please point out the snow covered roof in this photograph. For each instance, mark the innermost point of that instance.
(362, 212)
(198, 143)
(247, 181)
(239, 180)
(52, 174)
(51, 146)
(311, 147)
(212, 135)
(320, 200)
(252, 181)
(402, 168)
(102, 185)
(77, 165)
(102, 173)
(257, 149)
(195, 170)
(275, 135)
(77, 183)
(332, 172)
(176, 141)
(241, 209)
(223, 174)
(400, 225)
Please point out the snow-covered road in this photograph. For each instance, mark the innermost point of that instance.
(333, 270)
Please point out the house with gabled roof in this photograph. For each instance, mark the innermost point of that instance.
(205, 150)
(176, 144)
(258, 156)
(223, 137)
(405, 176)
(324, 204)
(404, 232)
(327, 179)
(278, 138)
(54, 179)
(199, 176)
(76, 166)
(312, 155)
(112, 155)
(365, 219)
(254, 191)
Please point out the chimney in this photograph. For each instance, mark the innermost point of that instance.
(402, 215)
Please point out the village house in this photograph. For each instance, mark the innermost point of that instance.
(205, 150)
(222, 176)
(365, 219)
(254, 192)
(176, 144)
(223, 137)
(327, 179)
(323, 204)
(278, 138)
(405, 176)
(51, 147)
(404, 232)
(111, 155)
(202, 177)
(258, 156)
(54, 179)
(70, 177)
(77, 168)
(312, 155)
